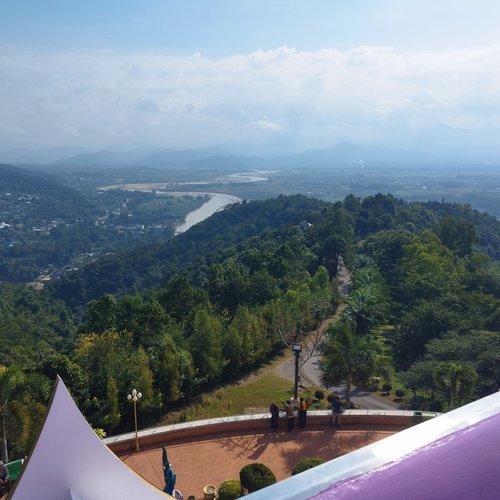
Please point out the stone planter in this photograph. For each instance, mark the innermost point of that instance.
(209, 492)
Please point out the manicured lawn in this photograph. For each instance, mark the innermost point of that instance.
(248, 398)
(251, 395)
(236, 399)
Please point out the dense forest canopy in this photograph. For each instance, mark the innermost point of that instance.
(181, 316)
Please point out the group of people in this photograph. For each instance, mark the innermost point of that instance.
(337, 410)
(290, 415)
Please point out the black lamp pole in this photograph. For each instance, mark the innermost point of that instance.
(296, 348)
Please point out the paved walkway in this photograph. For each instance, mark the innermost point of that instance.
(212, 459)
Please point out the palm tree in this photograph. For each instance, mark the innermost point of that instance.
(11, 380)
(21, 407)
(458, 378)
(346, 357)
(367, 306)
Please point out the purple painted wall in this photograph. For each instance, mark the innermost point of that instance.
(462, 465)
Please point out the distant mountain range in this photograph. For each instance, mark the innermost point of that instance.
(39, 156)
(343, 154)
(439, 145)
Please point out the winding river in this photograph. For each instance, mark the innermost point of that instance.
(217, 201)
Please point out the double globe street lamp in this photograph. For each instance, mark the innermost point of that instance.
(133, 398)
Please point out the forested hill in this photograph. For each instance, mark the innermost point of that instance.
(191, 253)
(180, 318)
(240, 233)
(30, 198)
(20, 181)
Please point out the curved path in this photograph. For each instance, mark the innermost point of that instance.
(310, 372)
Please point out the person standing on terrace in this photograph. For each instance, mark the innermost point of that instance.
(4, 478)
(302, 412)
(275, 413)
(290, 416)
(337, 410)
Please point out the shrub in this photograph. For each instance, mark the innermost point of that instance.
(319, 395)
(305, 464)
(400, 393)
(256, 476)
(372, 385)
(387, 388)
(101, 433)
(416, 402)
(230, 489)
(436, 406)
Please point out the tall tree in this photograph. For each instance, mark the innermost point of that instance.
(429, 270)
(417, 326)
(420, 377)
(347, 358)
(323, 301)
(112, 355)
(458, 378)
(180, 299)
(368, 302)
(206, 346)
(165, 362)
(101, 314)
(11, 384)
(22, 400)
(479, 349)
(459, 235)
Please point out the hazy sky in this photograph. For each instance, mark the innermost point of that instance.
(184, 73)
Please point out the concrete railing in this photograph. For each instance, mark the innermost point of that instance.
(357, 419)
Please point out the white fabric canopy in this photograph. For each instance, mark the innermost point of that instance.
(69, 461)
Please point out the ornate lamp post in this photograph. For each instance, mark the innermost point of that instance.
(133, 398)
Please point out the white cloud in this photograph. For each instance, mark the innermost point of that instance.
(269, 125)
(328, 94)
(72, 131)
(18, 130)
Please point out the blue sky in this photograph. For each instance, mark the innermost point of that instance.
(193, 73)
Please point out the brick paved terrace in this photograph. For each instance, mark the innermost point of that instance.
(208, 452)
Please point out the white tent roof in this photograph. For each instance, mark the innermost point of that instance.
(69, 461)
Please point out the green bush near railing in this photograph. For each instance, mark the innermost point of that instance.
(306, 464)
(230, 489)
(256, 476)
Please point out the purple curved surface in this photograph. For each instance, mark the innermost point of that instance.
(462, 465)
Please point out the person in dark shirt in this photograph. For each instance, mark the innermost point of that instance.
(275, 414)
(337, 410)
(4, 478)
